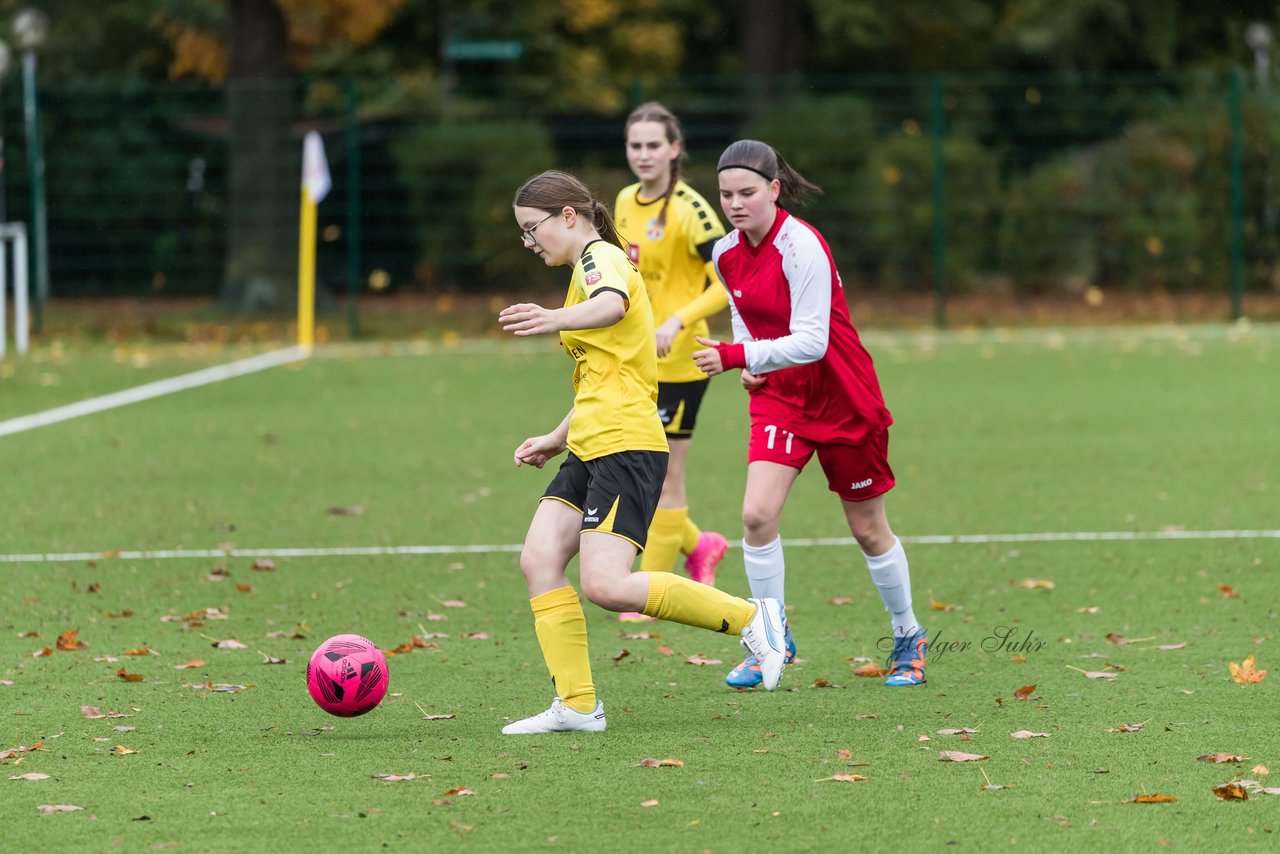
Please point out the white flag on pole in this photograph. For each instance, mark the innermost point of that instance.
(315, 168)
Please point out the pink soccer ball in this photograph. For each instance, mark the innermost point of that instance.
(347, 675)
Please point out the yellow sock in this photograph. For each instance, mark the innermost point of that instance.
(690, 534)
(562, 633)
(665, 532)
(676, 598)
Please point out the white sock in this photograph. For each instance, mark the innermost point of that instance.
(891, 576)
(766, 570)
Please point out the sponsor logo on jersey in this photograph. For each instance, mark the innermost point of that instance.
(633, 252)
(654, 230)
(737, 293)
(594, 276)
(862, 484)
(591, 515)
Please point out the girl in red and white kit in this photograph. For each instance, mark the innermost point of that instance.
(812, 387)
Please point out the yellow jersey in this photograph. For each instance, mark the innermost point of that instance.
(615, 376)
(674, 258)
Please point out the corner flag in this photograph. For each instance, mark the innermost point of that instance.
(316, 184)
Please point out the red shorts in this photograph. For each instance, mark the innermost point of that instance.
(854, 472)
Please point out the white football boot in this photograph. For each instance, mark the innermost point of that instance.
(765, 637)
(559, 718)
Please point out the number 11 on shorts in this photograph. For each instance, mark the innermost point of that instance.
(773, 431)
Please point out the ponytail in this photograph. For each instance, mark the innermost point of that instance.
(603, 222)
(762, 159)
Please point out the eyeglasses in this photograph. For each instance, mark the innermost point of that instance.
(526, 234)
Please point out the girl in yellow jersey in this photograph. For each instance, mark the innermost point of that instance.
(601, 501)
(670, 230)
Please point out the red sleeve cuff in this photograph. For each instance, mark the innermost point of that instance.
(732, 356)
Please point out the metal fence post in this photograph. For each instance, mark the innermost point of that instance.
(353, 210)
(937, 135)
(1237, 196)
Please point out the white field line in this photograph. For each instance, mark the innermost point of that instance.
(150, 390)
(390, 551)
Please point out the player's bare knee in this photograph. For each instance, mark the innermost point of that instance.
(534, 563)
(603, 592)
(873, 538)
(757, 519)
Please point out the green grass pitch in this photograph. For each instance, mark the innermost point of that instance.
(1134, 430)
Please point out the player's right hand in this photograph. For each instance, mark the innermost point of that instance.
(536, 450)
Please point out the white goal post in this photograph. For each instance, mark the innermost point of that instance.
(14, 234)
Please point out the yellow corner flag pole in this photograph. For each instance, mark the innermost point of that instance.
(315, 186)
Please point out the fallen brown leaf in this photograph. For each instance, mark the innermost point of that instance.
(42, 653)
(130, 677)
(460, 790)
(1125, 728)
(1026, 733)
(1227, 592)
(1024, 693)
(1246, 672)
(1219, 758)
(699, 658)
(263, 565)
(93, 713)
(870, 670)
(1093, 674)
(650, 762)
(957, 756)
(840, 600)
(50, 809)
(1034, 584)
(648, 803)
(842, 778)
(31, 776)
(1231, 792)
(621, 655)
(69, 641)
(393, 778)
(1153, 799)
(190, 665)
(960, 731)
(940, 606)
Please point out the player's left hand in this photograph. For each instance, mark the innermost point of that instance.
(528, 318)
(708, 361)
(666, 333)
